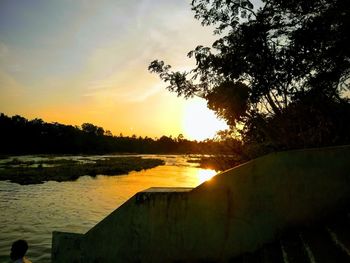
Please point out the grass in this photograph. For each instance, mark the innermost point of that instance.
(35, 172)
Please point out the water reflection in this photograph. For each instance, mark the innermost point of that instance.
(32, 212)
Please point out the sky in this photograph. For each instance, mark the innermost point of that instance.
(76, 61)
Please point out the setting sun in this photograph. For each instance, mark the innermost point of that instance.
(200, 123)
(205, 175)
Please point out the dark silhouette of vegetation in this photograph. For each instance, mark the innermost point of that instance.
(281, 71)
(21, 136)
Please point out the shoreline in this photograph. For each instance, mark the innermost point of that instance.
(60, 170)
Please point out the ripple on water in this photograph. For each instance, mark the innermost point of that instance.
(32, 212)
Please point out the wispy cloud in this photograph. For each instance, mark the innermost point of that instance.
(4, 50)
(92, 58)
(11, 94)
(9, 86)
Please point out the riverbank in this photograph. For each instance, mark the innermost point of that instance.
(36, 172)
(32, 212)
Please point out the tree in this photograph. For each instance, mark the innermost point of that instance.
(266, 59)
(92, 129)
(108, 133)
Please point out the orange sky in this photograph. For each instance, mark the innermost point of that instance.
(86, 61)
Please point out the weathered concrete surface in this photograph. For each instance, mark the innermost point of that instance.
(237, 211)
(328, 241)
(66, 247)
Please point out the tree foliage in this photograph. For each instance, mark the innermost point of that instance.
(19, 135)
(268, 61)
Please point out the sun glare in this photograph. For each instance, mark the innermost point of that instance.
(205, 175)
(199, 122)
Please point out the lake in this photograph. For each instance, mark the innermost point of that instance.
(32, 212)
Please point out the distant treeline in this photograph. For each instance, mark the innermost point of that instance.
(21, 136)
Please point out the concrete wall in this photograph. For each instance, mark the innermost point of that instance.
(236, 211)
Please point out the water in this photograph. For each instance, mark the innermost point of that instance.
(32, 212)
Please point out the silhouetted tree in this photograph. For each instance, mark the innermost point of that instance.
(92, 129)
(21, 136)
(266, 61)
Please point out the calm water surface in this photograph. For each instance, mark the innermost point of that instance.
(32, 212)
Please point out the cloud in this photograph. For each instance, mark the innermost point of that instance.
(137, 95)
(3, 50)
(98, 63)
(15, 68)
(117, 88)
(9, 85)
(11, 94)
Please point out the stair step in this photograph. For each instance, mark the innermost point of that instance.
(272, 253)
(293, 248)
(322, 248)
(340, 233)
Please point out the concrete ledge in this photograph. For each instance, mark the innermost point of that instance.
(167, 190)
(66, 247)
(236, 212)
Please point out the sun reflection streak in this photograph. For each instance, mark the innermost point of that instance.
(205, 175)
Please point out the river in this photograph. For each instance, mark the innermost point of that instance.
(32, 212)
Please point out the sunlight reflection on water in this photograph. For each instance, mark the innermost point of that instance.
(32, 212)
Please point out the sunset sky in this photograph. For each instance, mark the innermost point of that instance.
(76, 61)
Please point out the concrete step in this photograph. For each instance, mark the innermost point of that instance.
(321, 247)
(293, 248)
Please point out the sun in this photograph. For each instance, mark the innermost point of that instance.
(200, 123)
(205, 175)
